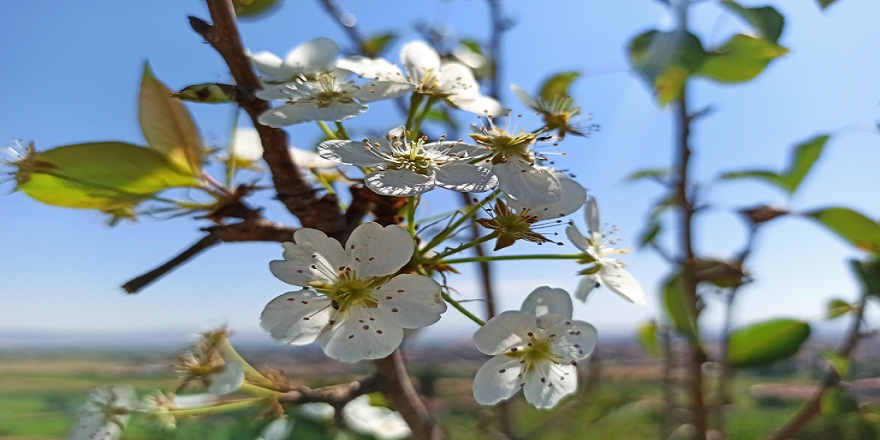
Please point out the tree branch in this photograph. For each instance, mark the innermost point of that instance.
(294, 191)
(396, 385)
(333, 9)
(249, 230)
(336, 395)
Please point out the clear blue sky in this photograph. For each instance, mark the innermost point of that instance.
(70, 74)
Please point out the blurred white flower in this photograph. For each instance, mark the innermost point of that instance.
(406, 168)
(377, 421)
(313, 89)
(452, 81)
(318, 411)
(604, 270)
(355, 311)
(158, 406)
(535, 349)
(228, 379)
(105, 414)
(278, 429)
(246, 147)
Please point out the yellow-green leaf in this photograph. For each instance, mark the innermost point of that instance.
(868, 272)
(254, 8)
(557, 86)
(647, 334)
(740, 59)
(805, 156)
(108, 176)
(766, 342)
(377, 44)
(766, 19)
(666, 60)
(836, 401)
(851, 226)
(210, 93)
(681, 312)
(826, 3)
(837, 308)
(168, 126)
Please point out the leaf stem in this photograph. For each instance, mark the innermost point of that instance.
(468, 245)
(327, 131)
(513, 257)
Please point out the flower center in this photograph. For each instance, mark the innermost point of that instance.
(505, 146)
(417, 163)
(351, 291)
(329, 93)
(538, 350)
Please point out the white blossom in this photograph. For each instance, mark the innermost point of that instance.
(278, 429)
(452, 81)
(246, 147)
(377, 421)
(535, 349)
(406, 168)
(605, 270)
(105, 414)
(557, 114)
(313, 89)
(227, 380)
(353, 304)
(158, 406)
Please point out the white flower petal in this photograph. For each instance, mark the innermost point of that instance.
(313, 57)
(418, 58)
(379, 90)
(574, 340)
(458, 80)
(527, 185)
(504, 331)
(313, 256)
(316, 411)
(481, 105)
(228, 380)
(349, 153)
(411, 301)
(524, 97)
(296, 318)
(309, 159)
(547, 383)
(376, 251)
(105, 413)
(270, 66)
(373, 68)
(358, 335)
(464, 177)
(278, 429)
(591, 214)
(299, 112)
(585, 286)
(279, 92)
(545, 300)
(399, 183)
(576, 238)
(622, 283)
(572, 197)
(375, 421)
(497, 379)
(246, 144)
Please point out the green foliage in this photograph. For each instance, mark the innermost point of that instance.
(210, 93)
(557, 86)
(375, 45)
(837, 308)
(766, 19)
(740, 59)
(838, 362)
(868, 272)
(805, 156)
(168, 126)
(649, 173)
(647, 334)
(859, 230)
(665, 60)
(650, 233)
(254, 8)
(679, 310)
(107, 176)
(826, 3)
(766, 342)
(837, 401)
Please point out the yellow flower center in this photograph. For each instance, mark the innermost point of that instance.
(350, 291)
(536, 351)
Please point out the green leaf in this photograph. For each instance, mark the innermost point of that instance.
(108, 176)
(666, 60)
(647, 334)
(557, 86)
(766, 342)
(377, 44)
(168, 126)
(649, 173)
(254, 8)
(860, 231)
(210, 93)
(837, 308)
(826, 3)
(767, 20)
(836, 401)
(472, 45)
(650, 234)
(741, 59)
(839, 363)
(868, 272)
(805, 156)
(679, 310)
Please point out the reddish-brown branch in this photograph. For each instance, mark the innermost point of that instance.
(294, 191)
(336, 395)
(250, 230)
(397, 386)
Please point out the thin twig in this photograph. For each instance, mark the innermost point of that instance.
(337, 395)
(397, 386)
(333, 9)
(250, 230)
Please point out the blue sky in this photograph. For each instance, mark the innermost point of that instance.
(70, 74)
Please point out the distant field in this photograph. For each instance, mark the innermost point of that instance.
(41, 394)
